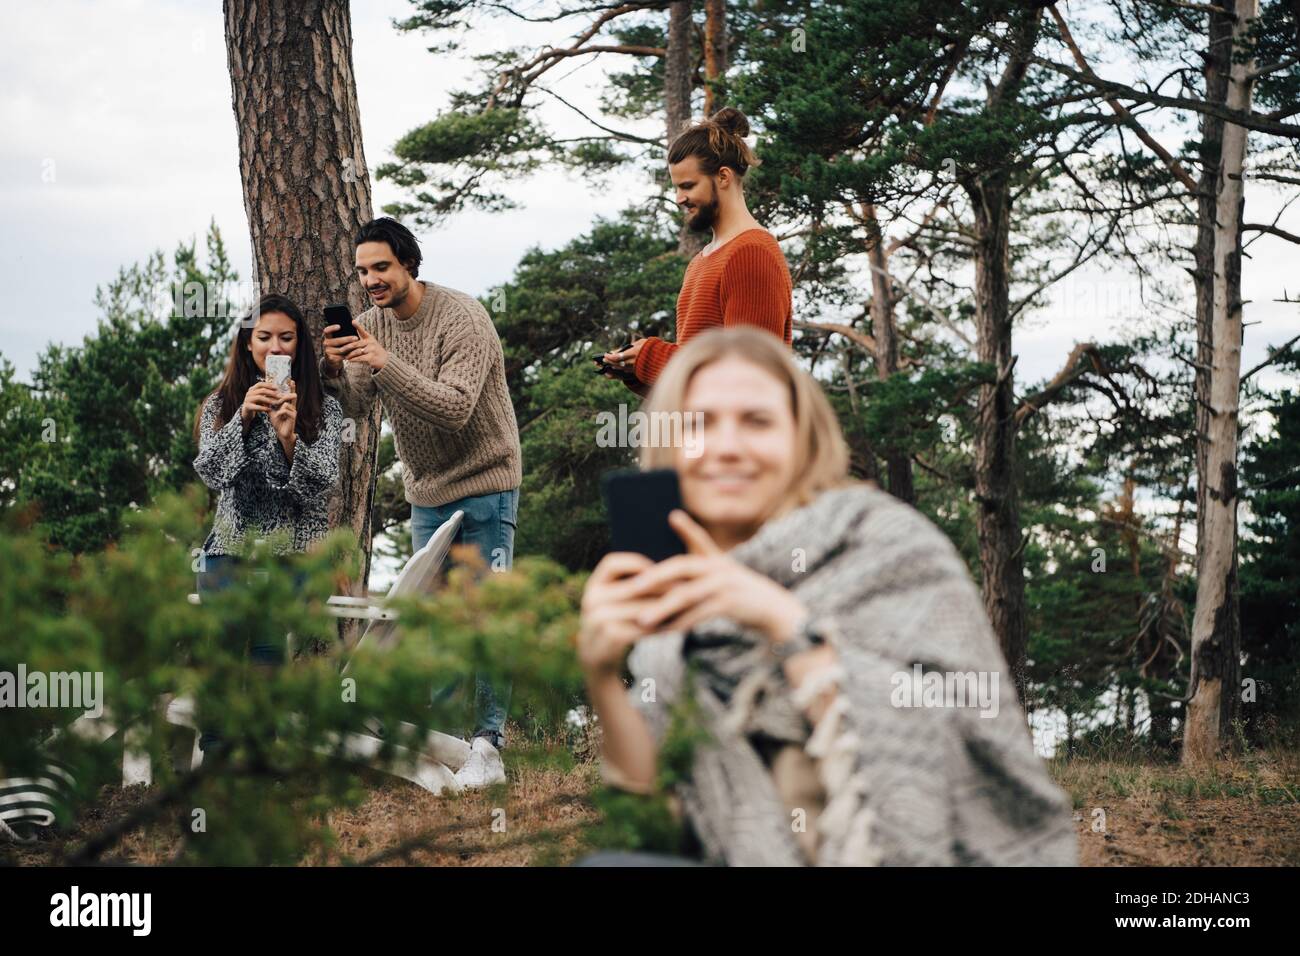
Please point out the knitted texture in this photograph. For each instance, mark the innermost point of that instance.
(259, 491)
(744, 282)
(443, 389)
(904, 785)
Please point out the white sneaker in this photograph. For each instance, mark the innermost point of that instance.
(483, 768)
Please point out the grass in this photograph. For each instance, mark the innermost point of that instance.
(1242, 811)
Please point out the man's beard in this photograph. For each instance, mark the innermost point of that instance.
(397, 298)
(705, 215)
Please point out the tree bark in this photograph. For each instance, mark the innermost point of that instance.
(715, 53)
(677, 97)
(997, 509)
(677, 68)
(1216, 627)
(306, 186)
(884, 329)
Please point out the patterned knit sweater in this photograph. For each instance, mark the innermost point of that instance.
(260, 492)
(744, 282)
(904, 782)
(443, 389)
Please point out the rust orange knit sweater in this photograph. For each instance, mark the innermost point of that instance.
(744, 282)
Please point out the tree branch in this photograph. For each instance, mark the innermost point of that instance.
(1273, 355)
(1084, 358)
(1130, 120)
(627, 137)
(856, 336)
(1272, 231)
(1256, 122)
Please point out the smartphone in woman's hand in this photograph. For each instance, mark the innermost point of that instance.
(638, 503)
(277, 371)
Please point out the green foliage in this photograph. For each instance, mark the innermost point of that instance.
(23, 433)
(652, 822)
(492, 135)
(561, 308)
(124, 612)
(445, 160)
(120, 407)
(1269, 570)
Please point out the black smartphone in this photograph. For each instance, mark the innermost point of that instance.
(637, 503)
(341, 316)
(620, 373)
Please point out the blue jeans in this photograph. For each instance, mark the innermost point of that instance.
(220, 572)
(489, 523)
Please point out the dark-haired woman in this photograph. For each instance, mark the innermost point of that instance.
(271, 456)
(741, 277)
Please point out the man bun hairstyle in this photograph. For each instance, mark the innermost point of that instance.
(716, 142)
(399, 239)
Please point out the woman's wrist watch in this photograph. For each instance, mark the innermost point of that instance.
(808, 635)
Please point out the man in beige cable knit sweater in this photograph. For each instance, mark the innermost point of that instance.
(433, 359)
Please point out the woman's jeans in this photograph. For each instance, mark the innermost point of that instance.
(220, 572)
(489, 523)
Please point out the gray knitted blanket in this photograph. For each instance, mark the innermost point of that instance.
(904, 785)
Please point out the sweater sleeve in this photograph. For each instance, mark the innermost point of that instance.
(223, 453)
(448, 401)
(315, 466)
(753, 290)
(354, 388)
(653, 357)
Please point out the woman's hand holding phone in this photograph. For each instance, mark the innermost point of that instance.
(707, 582)
(629, 597)
(284, 417)
(261, 397)
(608, 627)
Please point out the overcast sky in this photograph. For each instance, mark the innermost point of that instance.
(125, 105)
(128, 103)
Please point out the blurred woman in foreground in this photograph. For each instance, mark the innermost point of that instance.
(795, 622)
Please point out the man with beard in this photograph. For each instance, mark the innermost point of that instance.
(741, 277)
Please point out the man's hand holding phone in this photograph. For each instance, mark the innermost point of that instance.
(362, 347)
(336, 348)
(366, 350)
(624, 359)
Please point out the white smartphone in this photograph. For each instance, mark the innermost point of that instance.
(277, 371)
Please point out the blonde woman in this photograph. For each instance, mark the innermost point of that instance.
(794, 622)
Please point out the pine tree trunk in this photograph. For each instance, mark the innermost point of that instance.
(997, 506)
(678, 67)
(306, 186)
(715, 53)
(1216, 627)
(997, 509)
(884, 329)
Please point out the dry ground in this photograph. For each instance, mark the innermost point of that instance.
(1244, 812)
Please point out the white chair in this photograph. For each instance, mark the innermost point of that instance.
(432, 765)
